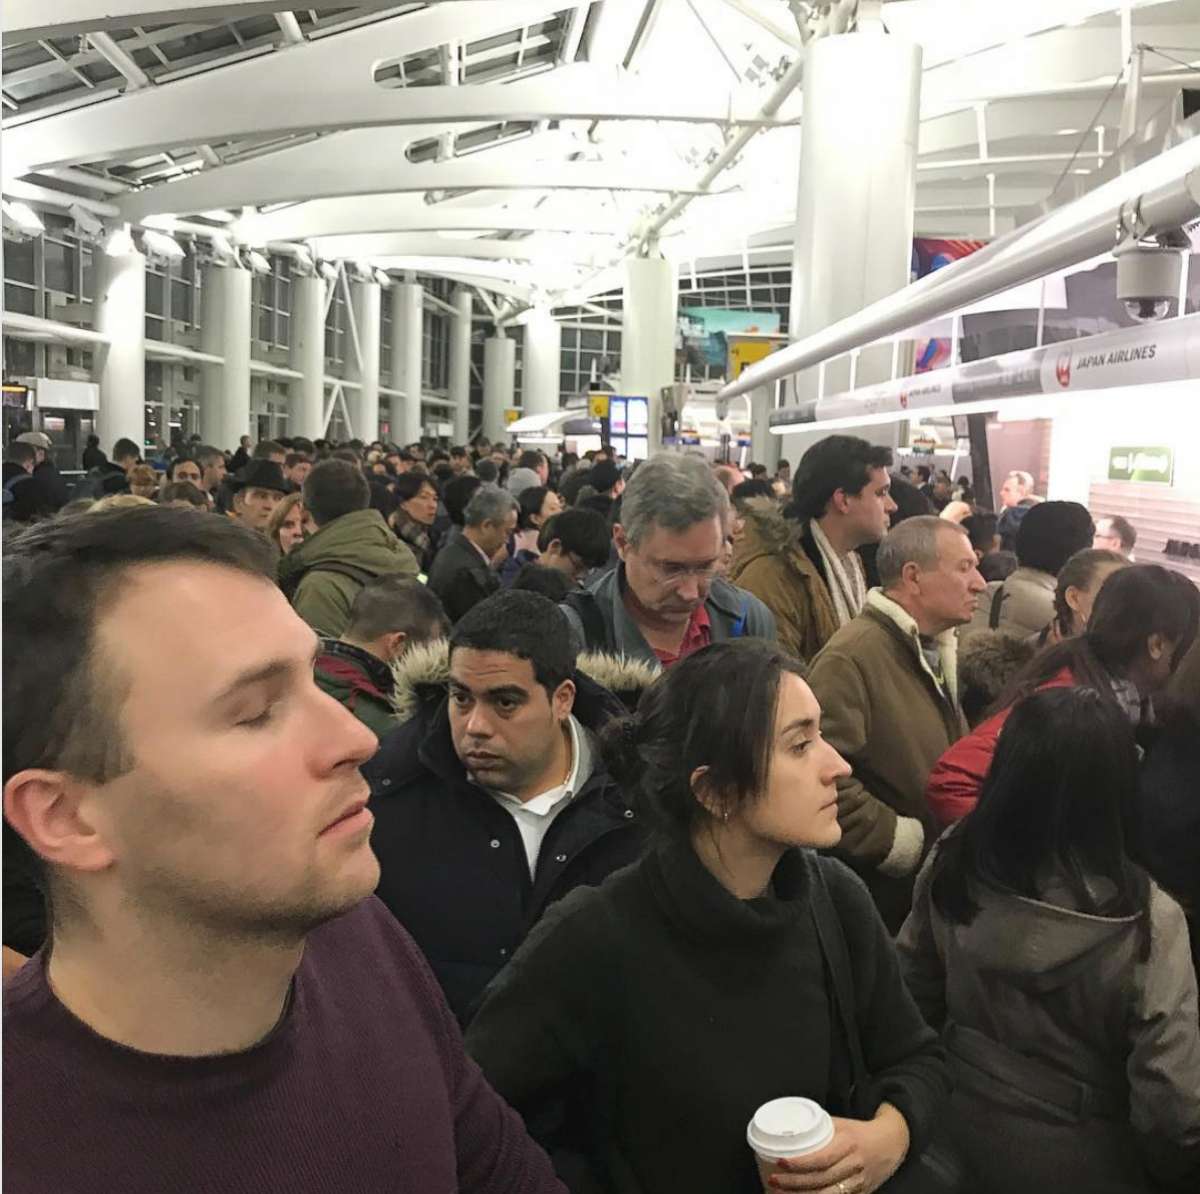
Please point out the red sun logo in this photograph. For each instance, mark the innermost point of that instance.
(1062, 369)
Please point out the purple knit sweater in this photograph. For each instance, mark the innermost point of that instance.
(362, 1088)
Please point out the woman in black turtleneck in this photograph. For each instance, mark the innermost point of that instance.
(656, 1013)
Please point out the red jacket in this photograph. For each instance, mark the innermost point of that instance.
(956, 778)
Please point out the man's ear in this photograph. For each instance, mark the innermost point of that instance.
(1156, 646)
(563, 700)
(51, 810)
(620, 541)
(394, 645)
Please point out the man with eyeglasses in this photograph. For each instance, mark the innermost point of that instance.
(665, 599)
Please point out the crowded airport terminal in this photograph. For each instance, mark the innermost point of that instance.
(601, 596)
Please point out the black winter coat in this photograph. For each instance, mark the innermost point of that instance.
(453, 867)
(664, 1011)
(461, 578)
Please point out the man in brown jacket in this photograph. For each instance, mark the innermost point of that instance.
(803, 566)
(888, 689)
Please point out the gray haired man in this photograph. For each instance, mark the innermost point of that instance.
(888, 687)
(664, 600)
(462, 574)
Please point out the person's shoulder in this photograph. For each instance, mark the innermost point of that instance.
(369, 937)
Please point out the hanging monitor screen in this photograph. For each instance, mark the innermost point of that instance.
(639, 416)
(616, 416)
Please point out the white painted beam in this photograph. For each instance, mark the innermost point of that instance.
(364, 163)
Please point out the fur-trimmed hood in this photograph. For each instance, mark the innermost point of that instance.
(423, 673)
(766, 530)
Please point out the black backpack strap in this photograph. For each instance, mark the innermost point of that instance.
(292, 582)
(595, 633)
(837, 960)
(994, 613)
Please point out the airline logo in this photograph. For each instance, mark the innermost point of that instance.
(1062, 369)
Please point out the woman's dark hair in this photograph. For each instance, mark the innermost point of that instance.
(408, 485)
(715, 709)
(910, 501)
(529, 506)
(1133, 603)
(1078, 573)
(1048, 815)
(1051, 533)
(457, 494)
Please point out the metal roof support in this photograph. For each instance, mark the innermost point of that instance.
(1057, 240)
(290, 28)
(120, 60)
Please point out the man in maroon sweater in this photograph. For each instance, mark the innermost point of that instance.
(222, 1005)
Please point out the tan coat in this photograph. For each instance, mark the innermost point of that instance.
(884, 712)
(770, 562)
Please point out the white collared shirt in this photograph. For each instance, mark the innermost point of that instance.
(535, 816)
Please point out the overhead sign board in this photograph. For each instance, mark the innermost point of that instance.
(598, 406)
(511, 415)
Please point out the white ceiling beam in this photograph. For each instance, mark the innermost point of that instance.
(26, 20)
(370, 246)
(365, 163)
(210, 107)
(386, 213)
(290, 28)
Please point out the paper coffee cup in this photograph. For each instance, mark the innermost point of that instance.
(789, 1127)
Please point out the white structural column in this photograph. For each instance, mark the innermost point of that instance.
(225, 332)
(648, 327)
(460, 364)
(541, 364)
(364, 402)
(407, 317)
(120, 314)
(854, 212)
(306, 397)
(499, 383)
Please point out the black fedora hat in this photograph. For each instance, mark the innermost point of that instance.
(262, 474)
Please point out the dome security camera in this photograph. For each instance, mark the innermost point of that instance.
(1147, 280)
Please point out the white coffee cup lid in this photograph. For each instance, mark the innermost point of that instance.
(789, 1128)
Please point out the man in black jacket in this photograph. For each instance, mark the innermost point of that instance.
(491, 802)
(462, 574)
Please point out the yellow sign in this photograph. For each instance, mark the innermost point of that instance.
(598, 406)
(511, 415)
(745, 353)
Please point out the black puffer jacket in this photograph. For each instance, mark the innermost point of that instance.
(454, 869)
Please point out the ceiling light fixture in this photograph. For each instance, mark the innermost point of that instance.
(383, 278)
(257, 262)
(328, 271)
(87, 224)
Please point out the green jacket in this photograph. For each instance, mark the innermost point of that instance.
(362, 543)
(356, 679)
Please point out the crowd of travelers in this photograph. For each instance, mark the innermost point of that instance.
(418, 819)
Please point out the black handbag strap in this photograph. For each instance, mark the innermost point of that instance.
(837, 958)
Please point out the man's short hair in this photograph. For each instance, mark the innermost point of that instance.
(489, 503)
(334, 488)
(549, 582)
(266, 448)
(604, 477)
(408, 485)
(20, 453)
(183, 491)
(206, 455)
(582, 533)
(914, 541)
(524, 624)
(1122, 528)
(295, 458)
(756, 487)
(836, 462)
(458, 452)
(672, 492)
(125, 448)
(981, 528)
(389, 604)
(532, 458)
(61, 703)
(487, 471)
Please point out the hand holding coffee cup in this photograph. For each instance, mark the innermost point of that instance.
(799, 1147)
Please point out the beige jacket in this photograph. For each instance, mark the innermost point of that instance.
(884, 710)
